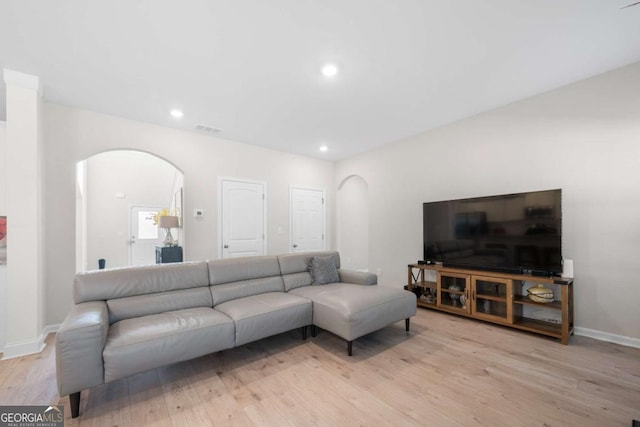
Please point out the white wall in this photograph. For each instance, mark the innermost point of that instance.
(176, 206)
(3, 168)
(25, 214)
(352, 205)
(81, 216)
(3, 212)
(583, 138)
(72, 135)
(143, 179)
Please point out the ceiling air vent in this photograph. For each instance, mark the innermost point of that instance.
(207, 129)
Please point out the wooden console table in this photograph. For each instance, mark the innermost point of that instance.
(496, 297)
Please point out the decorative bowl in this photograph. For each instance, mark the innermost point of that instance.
(540, 294)
(428, 298)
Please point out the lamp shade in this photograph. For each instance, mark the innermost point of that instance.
(168, 222)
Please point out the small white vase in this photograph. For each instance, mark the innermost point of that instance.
(486, 306)
(454, 297)
(463, 301)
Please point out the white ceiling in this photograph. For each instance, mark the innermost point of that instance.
(252, 67)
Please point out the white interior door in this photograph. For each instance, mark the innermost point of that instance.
(307, 220)
(243, 207)
(144, 235)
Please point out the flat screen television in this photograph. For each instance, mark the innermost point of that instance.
(515, 233)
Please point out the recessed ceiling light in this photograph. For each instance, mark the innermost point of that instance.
(323, 148)
(329, 70)
(176, 114)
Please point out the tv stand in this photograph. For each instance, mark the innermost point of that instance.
(508, 270)
(537, 273)
(496, 297)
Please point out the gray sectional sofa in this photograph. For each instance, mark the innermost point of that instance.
(129, 320)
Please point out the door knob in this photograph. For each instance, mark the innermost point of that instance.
(226, 246)
(295, 246)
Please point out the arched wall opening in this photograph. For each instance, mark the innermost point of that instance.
(109, 185)
(353, 223)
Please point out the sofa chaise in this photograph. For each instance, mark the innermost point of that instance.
(129, 320)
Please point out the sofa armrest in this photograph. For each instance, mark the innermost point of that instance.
(79, 344)
(357, 277)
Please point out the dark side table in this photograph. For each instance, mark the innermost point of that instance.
(166, 254)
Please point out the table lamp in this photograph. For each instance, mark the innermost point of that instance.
(168, 222)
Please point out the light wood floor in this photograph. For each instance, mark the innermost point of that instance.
(447, 371)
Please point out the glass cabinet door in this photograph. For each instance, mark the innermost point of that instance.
(453, 292)
(491, 298)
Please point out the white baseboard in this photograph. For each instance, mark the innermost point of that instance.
(24, 348)
(50, 329)
(605, 336)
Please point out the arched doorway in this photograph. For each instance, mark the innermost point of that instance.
(113, 190)
(353, 223)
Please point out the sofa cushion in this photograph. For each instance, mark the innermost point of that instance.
(247, 268)
(295, 267)
(102, 285)
(260, 316)
(242, 277)
(245, 288)
(351, 311)
(159, 302)
(296, 280)
(142, 343)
